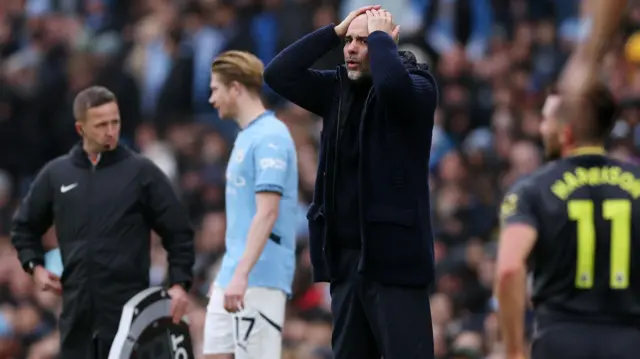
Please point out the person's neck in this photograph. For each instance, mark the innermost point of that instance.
(591, 148)
(364, 81)
(91, 152)
(249, 111)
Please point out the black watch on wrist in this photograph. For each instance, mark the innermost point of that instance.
(30, 266)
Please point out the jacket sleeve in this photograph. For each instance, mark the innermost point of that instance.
(290, 76)
(392, 81)
(170, 221)
(32, 220)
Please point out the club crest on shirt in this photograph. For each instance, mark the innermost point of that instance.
(509, 206)
(238, 155)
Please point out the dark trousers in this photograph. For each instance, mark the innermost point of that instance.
(372, 320)
(78, 340)
(95, 348)
(586, 341)
(90, 348)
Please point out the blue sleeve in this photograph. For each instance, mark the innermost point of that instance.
(271, 161)
(53, 262)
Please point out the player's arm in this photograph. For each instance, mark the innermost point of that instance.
(271, 172)
(599, 25)
(170, 221)
(605, 17)
(32, 220)
(517, 238)
(267, 205)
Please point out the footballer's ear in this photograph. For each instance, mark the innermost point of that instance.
(79, 129)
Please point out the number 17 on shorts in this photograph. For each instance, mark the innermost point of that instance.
(254, 333)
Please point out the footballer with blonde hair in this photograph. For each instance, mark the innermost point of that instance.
(247, 300)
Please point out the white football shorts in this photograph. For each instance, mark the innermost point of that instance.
(253, 333)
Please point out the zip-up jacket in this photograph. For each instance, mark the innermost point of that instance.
(395, 142)
(103, 217)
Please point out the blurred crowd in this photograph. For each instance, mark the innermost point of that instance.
(494, 60)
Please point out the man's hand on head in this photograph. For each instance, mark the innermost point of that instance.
(341, 29)
(381, 20)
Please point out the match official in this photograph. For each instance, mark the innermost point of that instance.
(104, 200)
(370, 230)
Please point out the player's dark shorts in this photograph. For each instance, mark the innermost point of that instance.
(586, 341)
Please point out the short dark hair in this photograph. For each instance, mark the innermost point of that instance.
(604, 111)
(600, 115)
(91, 97)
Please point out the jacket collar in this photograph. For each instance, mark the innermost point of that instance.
(411, 63)
(81, 158)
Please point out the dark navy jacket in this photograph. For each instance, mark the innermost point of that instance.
(395, 141)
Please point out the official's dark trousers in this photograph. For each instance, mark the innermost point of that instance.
(90, 348)
(78, 340)
(373, 320)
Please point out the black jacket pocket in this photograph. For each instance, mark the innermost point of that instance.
(317, 234)
(393, 237)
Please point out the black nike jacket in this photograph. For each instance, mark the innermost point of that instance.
(103, 217)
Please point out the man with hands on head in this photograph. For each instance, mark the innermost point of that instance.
(370, 233)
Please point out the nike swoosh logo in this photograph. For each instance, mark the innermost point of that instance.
(68, 188)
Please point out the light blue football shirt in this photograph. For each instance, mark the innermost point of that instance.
(263, 159)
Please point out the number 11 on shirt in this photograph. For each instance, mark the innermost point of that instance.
(618, 211)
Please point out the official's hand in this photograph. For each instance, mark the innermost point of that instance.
(179, 302)
(234, 294)
(47, 281)
(516, 356)
(381, 20)
(341, 29)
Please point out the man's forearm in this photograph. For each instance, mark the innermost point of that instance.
(605, 18)
(261, 228)
(387, 68)
(28, 247)
(511, 306)
(390, 77)
(290, 75)
(302, 54)
(582, 71)
(181, 258)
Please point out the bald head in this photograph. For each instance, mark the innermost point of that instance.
(358, 27)
(551, 106)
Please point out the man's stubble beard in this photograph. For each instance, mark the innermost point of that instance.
(357, 76)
